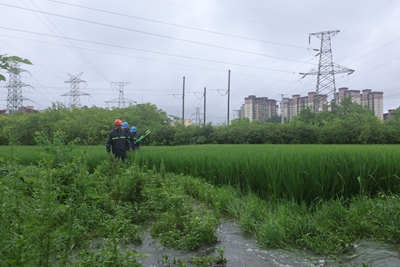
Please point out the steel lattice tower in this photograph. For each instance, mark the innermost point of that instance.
(326, 70)
(197, 119)
(74, 93)
(121, 100)
(14, 97)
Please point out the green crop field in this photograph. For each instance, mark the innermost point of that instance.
(294, 172)
(56, 200)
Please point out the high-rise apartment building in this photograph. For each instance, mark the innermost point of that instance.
(367, 98)
(258, 108)
(293, 106)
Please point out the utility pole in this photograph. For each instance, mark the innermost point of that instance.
(204, 106)
(14, 97)
(121, 99)
(326, 70)
(282, 110)
(74, 93)
(229, 92)
(183, 102)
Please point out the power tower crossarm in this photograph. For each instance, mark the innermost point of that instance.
(334, 69)
(121, 100)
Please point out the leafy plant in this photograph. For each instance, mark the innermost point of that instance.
(56, 146)
(9, 63)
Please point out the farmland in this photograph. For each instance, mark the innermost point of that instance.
(322, 198)
(303, 173)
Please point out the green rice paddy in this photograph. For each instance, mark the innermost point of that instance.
(300, 173)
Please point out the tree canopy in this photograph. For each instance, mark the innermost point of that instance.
(9, 63)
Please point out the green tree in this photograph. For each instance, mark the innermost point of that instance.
(276, 119)
(8, 63)
(306, 116)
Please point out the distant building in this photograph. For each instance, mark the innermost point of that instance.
(366, 98)
(21, 109)
(188, 122)
(258, 108)
(388, 115)
(293, 106)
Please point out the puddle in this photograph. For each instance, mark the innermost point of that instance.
(242, 250)
(371, 253)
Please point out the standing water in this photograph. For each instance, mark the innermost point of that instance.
(242, 250)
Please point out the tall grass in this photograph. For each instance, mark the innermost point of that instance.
(293, 172)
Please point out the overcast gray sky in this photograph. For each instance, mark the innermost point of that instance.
(153, 44)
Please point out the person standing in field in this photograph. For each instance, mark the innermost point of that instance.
(118, 141)
(135, 136)
(125, 127)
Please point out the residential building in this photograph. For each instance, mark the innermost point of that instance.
(258, 108)
(388, 115)
(367, 98)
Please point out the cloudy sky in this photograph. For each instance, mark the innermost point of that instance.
(152, 44)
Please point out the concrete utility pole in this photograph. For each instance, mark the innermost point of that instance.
(204, 106)
(229, 92)
(326, 70)
(183, 102)
(14, 97)
(74, 93)
(121, 100)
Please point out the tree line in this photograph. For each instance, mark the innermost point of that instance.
(347, 123)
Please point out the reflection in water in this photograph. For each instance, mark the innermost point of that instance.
(242, 250)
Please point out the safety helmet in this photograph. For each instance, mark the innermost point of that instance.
(133, 129)
(125, 125)
(117, 122)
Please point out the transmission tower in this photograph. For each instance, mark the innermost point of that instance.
(74, 93)
(326, 70)
(197, 114)
(121, 100)
(14, 98)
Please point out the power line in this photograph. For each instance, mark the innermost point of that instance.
(269, 13)
(153, 34)
(111, 53)
(257, 22)
(149, 51)
(73, 48)
(22, 53)
(181, 26)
